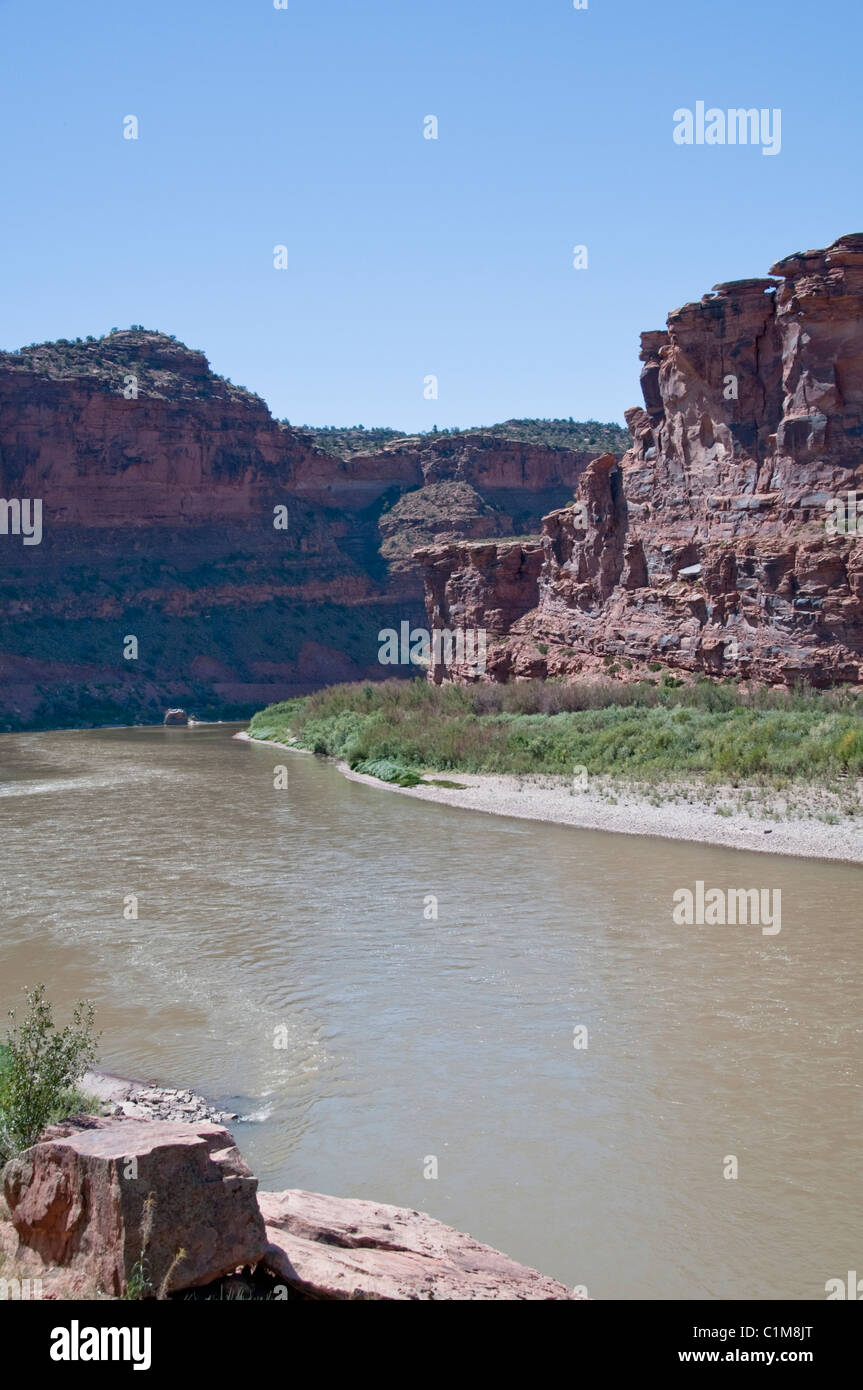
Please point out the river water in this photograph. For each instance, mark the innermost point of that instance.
(297, 916)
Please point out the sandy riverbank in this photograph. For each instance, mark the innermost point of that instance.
(769, 822)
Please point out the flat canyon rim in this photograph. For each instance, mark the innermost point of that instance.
(302, 910)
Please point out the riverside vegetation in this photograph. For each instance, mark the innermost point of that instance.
(39, 1067)
(709, 732)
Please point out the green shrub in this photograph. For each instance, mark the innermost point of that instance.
(641, 729)
(388, 771)
(41, 1067)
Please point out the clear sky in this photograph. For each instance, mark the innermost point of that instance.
(406, 256)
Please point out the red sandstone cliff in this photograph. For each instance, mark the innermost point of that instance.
(158, 482)
(707, 548)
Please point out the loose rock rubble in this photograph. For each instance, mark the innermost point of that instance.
(122, 1097)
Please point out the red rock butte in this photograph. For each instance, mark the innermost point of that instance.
(707, 547)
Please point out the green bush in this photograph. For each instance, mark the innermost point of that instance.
(641, 729)
(41, 1065)
(388, 771)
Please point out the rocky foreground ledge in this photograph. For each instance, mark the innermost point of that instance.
(95, 1191)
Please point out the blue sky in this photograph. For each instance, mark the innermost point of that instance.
(407, 256)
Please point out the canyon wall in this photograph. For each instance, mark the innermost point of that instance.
(724, 542)
(159, 484)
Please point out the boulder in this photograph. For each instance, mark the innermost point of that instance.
(344, 1248)
(175, 716)
(94, 1191)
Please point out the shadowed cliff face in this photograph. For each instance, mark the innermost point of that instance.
(713, 545)
(248, 563)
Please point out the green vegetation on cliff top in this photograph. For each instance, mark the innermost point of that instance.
(645, 731)
(105, 359)
(586, 435)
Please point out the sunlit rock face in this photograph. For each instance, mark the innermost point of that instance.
(726, 540)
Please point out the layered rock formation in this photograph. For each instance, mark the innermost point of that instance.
(99, 1203)
(486, 586)
(248, 563)
(713, 546)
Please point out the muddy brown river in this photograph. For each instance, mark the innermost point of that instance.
(286, 961)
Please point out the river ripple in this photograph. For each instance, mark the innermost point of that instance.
(297, 916)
